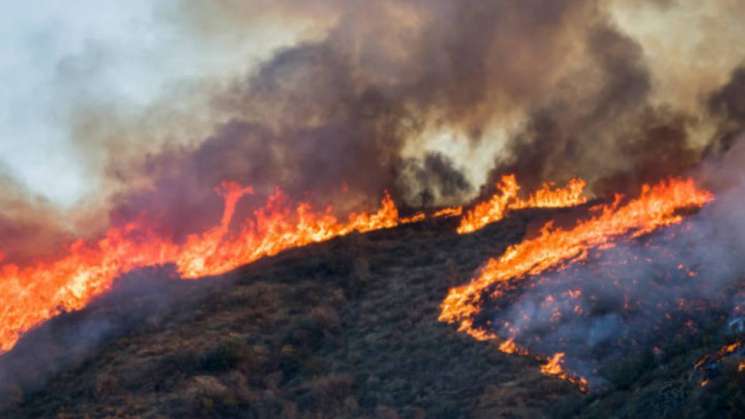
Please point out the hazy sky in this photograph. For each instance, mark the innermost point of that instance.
(55, 55)
(51, 55)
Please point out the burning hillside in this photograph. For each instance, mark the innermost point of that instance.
(36, 293)
(598, 141)
(364, 308)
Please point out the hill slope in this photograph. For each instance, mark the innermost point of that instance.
(341, 329)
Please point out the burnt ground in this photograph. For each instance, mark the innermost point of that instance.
(343, 329)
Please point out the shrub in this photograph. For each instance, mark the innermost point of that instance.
(326, 317)
(226, 356)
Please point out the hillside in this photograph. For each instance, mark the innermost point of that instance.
(341, 329)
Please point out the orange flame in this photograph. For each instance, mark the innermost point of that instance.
(32, 294)
(657, 206)
(419, 216)
(506, 199)
(718, 355)
(448, 212)
(555, 367)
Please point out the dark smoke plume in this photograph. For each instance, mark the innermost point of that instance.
(728, 105)
(328, 119)
(435, 179)
(337, 112)
(601, 126)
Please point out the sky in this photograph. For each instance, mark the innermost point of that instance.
(56, 56)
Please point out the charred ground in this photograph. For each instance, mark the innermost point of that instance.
(346, 328)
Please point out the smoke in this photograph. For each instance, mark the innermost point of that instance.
(329, 116)
(728, 105)
(436, 179)
(602, 125)
(29, 226)
(328, 119)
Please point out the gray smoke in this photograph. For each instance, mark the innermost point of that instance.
(641, 296)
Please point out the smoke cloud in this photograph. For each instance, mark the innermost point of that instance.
(328, 118)
(29, 226)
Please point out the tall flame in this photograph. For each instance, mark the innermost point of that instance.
(506, 199)
(33, 294)
(657, 206)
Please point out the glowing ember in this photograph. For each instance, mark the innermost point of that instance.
(506, 199)
(718, 355)
(657, 206)
(33, 294)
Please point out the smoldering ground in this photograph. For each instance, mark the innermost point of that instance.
(645, 297)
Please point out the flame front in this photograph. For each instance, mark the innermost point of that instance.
(555, 367)
(657, 206)
(32, 294)
(506, 199)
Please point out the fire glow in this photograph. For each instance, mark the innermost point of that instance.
(554, 249)
(33, 294)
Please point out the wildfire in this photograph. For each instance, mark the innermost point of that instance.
(657, 206)
(506, 199)
(33, 294)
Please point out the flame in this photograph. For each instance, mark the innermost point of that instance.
(445, 212)
(32, 294)
(509, 346)
(732, 347)
(657, 206)
(555, 367)
(419, 216)
(506, 199)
